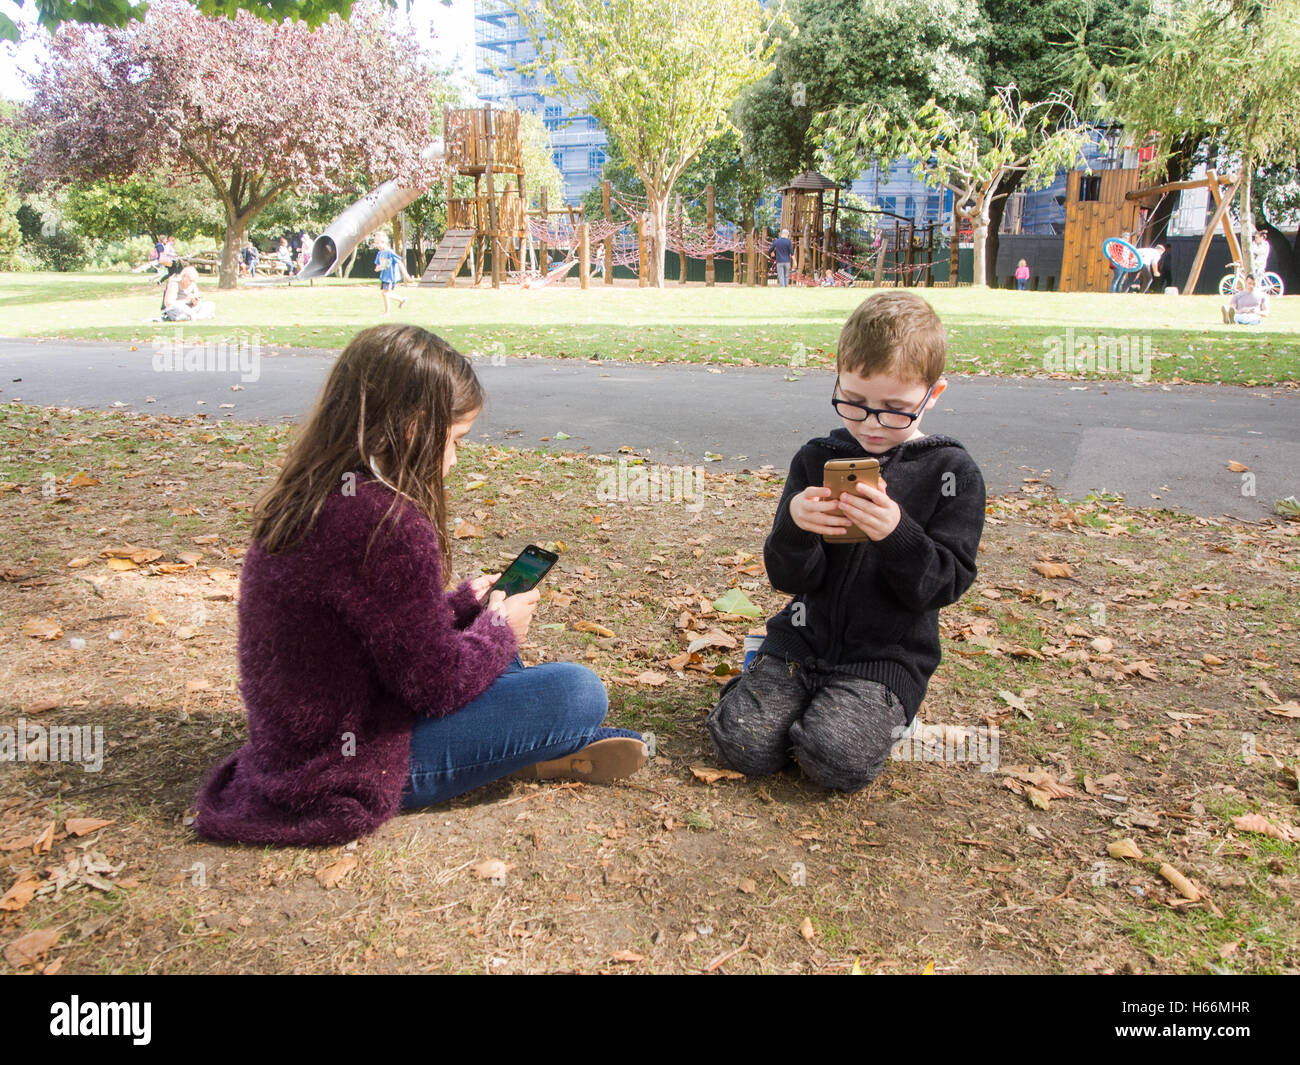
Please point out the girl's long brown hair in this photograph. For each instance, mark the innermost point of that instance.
(392, 396)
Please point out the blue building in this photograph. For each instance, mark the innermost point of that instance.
(502, 45)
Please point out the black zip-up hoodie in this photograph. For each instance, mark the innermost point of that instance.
(871, 609)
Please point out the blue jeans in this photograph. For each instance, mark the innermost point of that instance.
(1118, 279)
(528, 715)
(782, 274)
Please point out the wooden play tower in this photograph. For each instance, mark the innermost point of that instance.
(491, 226)
(812, 222)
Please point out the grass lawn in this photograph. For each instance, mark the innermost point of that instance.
(1143, 686)
(993, 332)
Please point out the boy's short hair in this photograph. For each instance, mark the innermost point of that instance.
(896, 333)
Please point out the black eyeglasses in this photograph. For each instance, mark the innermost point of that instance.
(888, 419)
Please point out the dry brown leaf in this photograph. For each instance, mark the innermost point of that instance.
(1038, 798)
(807, 931)
(491, 869)
(650, 678)
(42, 842)
(83, 480)
(629, 956)
(1289, 709)
(465, 531)
(592, 627)
(1053, 570)
(1124, 848)
(121, 565)
(1261, 824)
(1103, 645)
(1237, 467)
(78, 563)
(42, 628)
(20, 892)
(747, 886)
(709, 775)
(331, 875)
(27, 949)
(1212, 660)
(714, 638)
(680, 661)
(83, 826)
(1184, 886)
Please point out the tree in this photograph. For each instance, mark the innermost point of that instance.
(659, 75)
(236, 102)
(967, 153)
(1223, 75)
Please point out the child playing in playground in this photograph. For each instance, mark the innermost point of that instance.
(845, 665)
(1022, 275)
(371, 681)
(391, 270)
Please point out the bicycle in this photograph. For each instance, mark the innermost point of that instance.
(1269, 283)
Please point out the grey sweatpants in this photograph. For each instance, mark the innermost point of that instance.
(839, 728)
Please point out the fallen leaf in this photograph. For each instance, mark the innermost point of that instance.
(45, 840)
(734, 601)
(1237, 467)
(1184, 886)
(628, 956)
(713, 638)
(27, 949)
(20, 892)
(1054, 570)
(42, 628)
(1259, 823)
(465, 531)
(807, 931)
(1290, 709)
(1103, 645)
(1124, 848)
(83, 480)
(121, 565)
(650, 678)
(710, 775)
(82, 826)
(592, 627)
(491, 869)
(331, 875)
(1038, 798)
(747, 886)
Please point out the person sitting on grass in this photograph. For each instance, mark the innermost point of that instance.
(371, 684)
(391, 270)
(1247, 307)
(845, 665)
(181, 301)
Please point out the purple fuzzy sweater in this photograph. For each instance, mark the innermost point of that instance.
(337, 661)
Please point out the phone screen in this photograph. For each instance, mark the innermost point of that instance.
(525, 571)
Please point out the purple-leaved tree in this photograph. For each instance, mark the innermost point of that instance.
(254, 108)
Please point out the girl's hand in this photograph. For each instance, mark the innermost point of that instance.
(812, 509)
(871, 510)
(480, 586)
(515, 611)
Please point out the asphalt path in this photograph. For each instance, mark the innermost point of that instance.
(1166, 445)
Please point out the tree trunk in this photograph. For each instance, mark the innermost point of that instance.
(235, 227)
(657, 206)
(1247, 218)
(997, 209)
(980, 233)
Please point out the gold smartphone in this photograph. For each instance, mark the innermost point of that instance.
(844, 475)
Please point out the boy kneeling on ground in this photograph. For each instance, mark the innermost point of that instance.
(845, 665)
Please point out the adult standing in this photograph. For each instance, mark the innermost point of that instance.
(781, 252)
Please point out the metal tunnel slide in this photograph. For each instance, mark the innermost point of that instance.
(332, 248)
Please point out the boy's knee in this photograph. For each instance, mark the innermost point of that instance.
(845, 738)
(836, 768)
(743, 738)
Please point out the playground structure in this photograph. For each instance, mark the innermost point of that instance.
(506, 240)
(1099, 206)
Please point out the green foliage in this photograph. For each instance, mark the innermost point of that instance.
(11, 236)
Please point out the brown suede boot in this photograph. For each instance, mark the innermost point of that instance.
(597, 763)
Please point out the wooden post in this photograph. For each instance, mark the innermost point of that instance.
(681, 243)
(954, 246)
(609, 240)
(710, 224)
(749, 258)
(1204, 246)
(584, 255)
(880, 259)
(929, 250)
(478, 243)
(543, 251)
(494, 237)
(641, 278)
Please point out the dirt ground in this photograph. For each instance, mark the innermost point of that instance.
(1139, 667)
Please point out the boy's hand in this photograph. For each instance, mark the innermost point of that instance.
(871, 510)
(812, 510)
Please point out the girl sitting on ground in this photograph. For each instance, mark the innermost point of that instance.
(369, 683)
